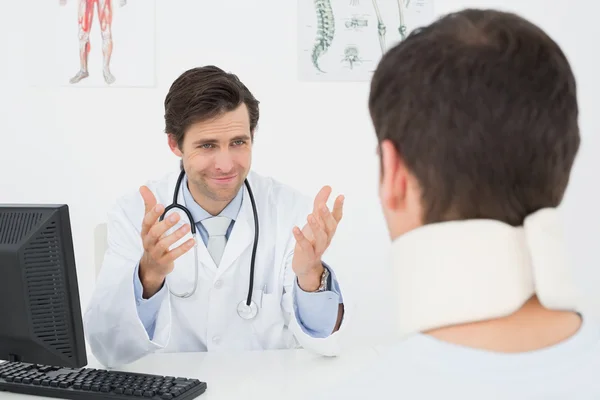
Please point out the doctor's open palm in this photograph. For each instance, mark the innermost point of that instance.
(158, 261)
(314, 239)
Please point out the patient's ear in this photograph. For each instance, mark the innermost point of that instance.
(173, 145)
(392, 191)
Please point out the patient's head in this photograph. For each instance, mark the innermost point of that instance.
(476, 117)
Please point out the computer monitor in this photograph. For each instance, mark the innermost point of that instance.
(40, 314)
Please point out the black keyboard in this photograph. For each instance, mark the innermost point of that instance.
(94, 384)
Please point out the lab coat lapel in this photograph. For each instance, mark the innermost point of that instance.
(241, 235)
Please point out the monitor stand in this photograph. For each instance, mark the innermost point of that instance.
(14, 358)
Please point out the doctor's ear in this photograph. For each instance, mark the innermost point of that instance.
(394, 175)
(174, 145)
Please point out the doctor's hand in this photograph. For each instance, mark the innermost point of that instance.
(314, 239)
(158, 261)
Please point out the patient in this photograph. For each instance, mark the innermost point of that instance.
(476, 117)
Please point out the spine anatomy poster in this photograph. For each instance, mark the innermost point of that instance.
(343, 40)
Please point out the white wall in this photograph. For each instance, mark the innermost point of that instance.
(86, 147)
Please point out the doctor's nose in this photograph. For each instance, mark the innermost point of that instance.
(224, 161)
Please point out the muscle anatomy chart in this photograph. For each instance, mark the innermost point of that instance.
(85, 17)
(343, 40)
(106, 43)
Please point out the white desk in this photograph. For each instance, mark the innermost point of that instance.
(282, 374)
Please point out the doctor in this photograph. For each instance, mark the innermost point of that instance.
(242, 275)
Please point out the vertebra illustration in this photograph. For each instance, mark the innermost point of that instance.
(351, 56)
(357, 23)
(325, 30)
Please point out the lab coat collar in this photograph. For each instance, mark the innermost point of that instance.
(465, 271)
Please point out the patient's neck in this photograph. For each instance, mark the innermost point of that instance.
(532, 327)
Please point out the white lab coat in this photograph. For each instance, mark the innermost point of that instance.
(207, 321)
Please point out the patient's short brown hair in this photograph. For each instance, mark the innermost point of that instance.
(482, 107)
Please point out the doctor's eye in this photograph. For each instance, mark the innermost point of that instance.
(206, 146)
(239, 142)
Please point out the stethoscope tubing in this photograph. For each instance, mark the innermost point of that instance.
(193, 230)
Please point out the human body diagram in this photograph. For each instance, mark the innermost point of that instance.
(85, 17)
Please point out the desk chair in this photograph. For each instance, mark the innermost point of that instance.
(100, 246)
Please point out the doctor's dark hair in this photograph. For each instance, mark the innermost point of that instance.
(482, 108)
(202, 93)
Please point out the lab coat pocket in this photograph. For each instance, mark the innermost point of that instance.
(269, 324)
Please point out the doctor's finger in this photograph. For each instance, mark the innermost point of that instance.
(328, 220)
(163, 244)
(150, 219)
(303, 242)
(321, 198)
(338, 207)
(321, 240)
(178, 251)
(148, 197)
(158, 229)
(152, 209)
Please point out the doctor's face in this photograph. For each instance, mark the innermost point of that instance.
(216, 157)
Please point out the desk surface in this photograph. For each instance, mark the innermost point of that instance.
(281, 374)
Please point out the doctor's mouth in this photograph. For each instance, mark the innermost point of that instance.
(224, 180)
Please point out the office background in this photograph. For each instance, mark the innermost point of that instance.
(87, 146)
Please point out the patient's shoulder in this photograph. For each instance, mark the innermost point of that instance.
(421, 366)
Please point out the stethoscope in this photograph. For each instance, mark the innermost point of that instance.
(245, 309)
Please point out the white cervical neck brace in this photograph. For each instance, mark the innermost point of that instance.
(464, 271)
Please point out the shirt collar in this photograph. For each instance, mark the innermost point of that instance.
(199, 214)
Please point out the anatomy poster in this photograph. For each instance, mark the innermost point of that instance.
(97, 43)
(343, 40)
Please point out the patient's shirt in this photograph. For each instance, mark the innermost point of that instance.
(422, 367)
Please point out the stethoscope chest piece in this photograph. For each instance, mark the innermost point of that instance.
(247, 311)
